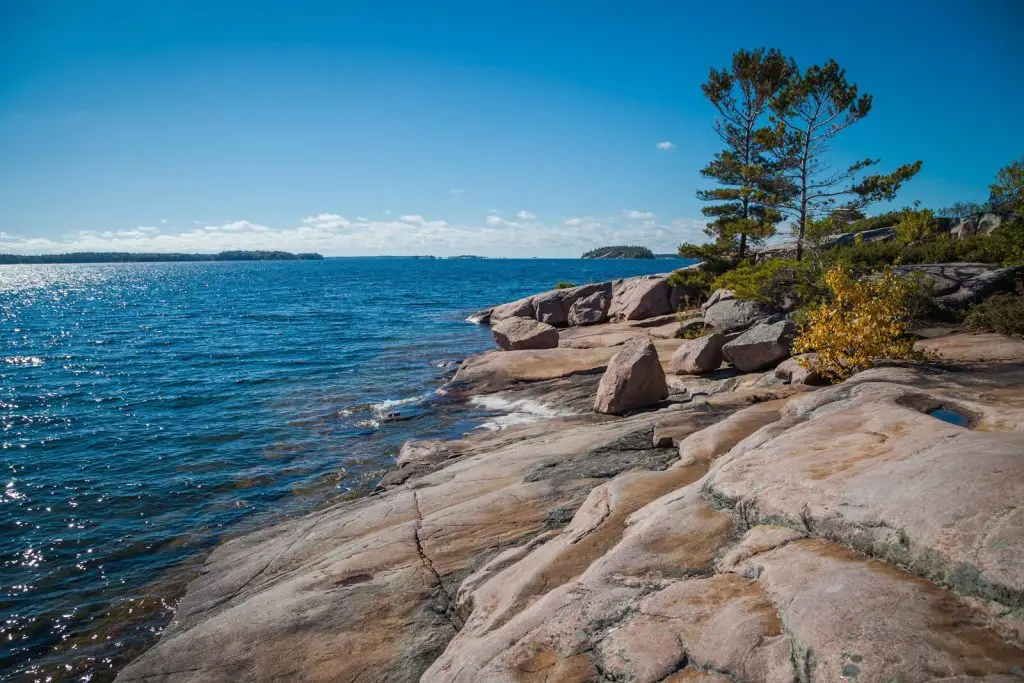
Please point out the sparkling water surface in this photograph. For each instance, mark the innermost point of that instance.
(150, 410)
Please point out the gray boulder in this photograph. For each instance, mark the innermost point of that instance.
(549, 308)
(634, 379)
(982, 224)
(946, 278)
(553, 307)
(697, 356)
(788, 249)
(761, 346)
(521, 308)
(793, 371)
(730, 315)
(589, 310)
(980, 287)
(716, 296)
(517, 334)
(638, 298)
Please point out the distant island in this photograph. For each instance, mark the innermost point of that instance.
(125, 257)
(620, 252)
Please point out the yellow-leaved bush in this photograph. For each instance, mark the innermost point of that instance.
(863, 321)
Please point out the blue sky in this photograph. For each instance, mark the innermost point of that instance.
(517, 129)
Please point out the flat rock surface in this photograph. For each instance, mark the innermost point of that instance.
(494, 371)
(792, 534)
(975, 348)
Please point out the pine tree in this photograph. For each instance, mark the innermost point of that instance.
(744, 209)
(808, 112)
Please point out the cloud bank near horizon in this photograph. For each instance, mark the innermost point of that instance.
(331, 234)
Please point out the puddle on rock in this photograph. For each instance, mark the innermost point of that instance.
(951, 416)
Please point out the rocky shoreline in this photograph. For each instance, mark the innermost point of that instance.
(738, 525)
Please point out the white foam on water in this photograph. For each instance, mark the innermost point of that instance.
(391, 404)
(518, 412)
(26, 361)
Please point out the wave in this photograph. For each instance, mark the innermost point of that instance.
(518, 412)
(389, 410)
(24, 361)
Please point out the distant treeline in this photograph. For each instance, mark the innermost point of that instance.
(125, 257)
(619, 252)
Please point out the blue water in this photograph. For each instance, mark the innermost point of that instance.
(150, 410)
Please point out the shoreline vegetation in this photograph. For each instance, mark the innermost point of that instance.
(152, 257)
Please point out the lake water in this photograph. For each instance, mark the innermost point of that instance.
(150, 410)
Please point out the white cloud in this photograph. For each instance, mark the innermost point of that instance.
(456, 190)
(327, 221)
(665, 144)
(164, 221)
(525, 215)
(640, 215)
(334, 235)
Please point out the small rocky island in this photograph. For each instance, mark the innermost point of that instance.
(619, 252)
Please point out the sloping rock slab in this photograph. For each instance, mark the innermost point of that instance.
(364, 590)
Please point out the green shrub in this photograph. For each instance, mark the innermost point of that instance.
(917, 224)
(1002, 313)
(697, 331)
(785, 283)
(565, 284)
(1004, 245)
(695, 284)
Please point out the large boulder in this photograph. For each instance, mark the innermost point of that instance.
(634, 379)
(716, 296)
(553, 307)
(550, 308)
(983, 224)
(793, 371)
(517, 334)
(732, 315)
(787, 250)
(697, 356)
(980, 287)
(761, 346)
(638, 298)
(947, 278)
(521, 308)
(589, 310)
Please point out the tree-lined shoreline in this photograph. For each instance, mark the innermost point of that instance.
(150, 257)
